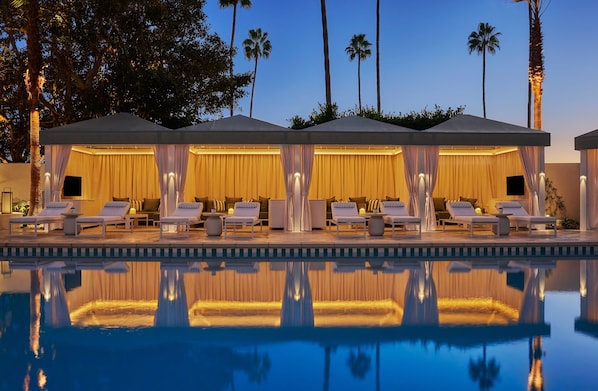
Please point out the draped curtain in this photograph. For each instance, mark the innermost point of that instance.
(529, 158)
(56, 312)
(297, 305)
(592, 187)
(59, 156)
(181, 162)
(410, 156)
(172, 308)
(307, 164)
(287, 159)
(161, 155)
(431, 155)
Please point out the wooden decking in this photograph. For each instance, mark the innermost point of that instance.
(319, 245)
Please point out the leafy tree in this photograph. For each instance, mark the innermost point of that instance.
(326, 53)
(484, 372)
(256, 46)
(482, 41)
(324, 113)
(359, 363)
(234, 4)
(358, 48)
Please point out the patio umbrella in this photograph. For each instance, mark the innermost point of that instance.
(297, 306)
(172, 300)
(56, 311)
(421, 301)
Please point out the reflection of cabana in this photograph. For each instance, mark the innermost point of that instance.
(587, 145)
(587, 322)
(254, 158)
(297, 306)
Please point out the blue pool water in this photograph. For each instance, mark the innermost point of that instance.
(298, 326)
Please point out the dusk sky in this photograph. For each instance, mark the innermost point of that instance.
(424, 60)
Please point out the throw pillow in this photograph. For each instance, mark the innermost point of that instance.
(357, 200)
(151, 204)
(329, 202)
(229, 202)
(137, 204)
(206, 203)
(219, 205)
(472, 201)
(120, 199)
(392, 198)
(439, 204)
(373, 205)
(263, 203)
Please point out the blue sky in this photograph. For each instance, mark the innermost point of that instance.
(424, 60)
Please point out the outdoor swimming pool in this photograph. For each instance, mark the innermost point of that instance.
(347, 325)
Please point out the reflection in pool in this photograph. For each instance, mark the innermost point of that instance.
(474, 324)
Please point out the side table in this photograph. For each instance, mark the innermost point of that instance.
(504, 227)
(213, 223)
(376, 224)
(70, 227)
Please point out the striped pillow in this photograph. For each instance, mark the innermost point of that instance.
(219, 205)
(137, 204)
(373, 205)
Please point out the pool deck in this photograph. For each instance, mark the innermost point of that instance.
(144, 244)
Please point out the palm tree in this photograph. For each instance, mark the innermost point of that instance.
(482, 41)
(234, 4)
(536, 57)
(358, 48)
(378, 55)
(326, 54)
(256, 46)
(34, 81)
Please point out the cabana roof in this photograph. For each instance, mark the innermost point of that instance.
(128, 129)
(587, 141)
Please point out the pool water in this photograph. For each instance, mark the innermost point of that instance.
(345, 325)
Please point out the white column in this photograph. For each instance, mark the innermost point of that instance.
(583, 191)
(542, 183)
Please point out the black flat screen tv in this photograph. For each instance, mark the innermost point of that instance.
(72, 186)
(515, 185)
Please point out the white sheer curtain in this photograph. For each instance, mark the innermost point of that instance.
(59, 158)
(161, 154)
(410, 156)
(592, 188)
(181, 162)
(56, 311)
(529, 158)
(287, 159)
(172, 300)
(431, 157)
(297, 306)
(307, 164)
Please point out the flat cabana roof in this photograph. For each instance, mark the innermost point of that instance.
(587, 141)
(128, 129)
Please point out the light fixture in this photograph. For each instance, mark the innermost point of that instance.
(6, 201)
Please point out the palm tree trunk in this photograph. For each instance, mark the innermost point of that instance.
(378, 55)
(326, 54)
(253, 89)
(537, 89)
(231, 52)
(529, 66)
(34, 86)
(484, 81)
(359, 82)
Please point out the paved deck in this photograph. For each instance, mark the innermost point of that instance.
(320, 245)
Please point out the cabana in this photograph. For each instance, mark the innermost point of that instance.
(587, 145)
(351, 156)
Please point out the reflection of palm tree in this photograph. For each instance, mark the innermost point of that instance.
(259, 366)
(326, 367)
(359, 363)
(483, 372)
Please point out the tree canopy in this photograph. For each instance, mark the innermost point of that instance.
(154, 58)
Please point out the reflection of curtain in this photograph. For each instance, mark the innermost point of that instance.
(410, 156)
(532, 307)
(181, 161)
(163, 159)
(529, 158)
(307, 164)
(287, 159)
(59, 156)
(592, 187)
(172, 300)
(56, 311)
(421, 301)
(297, 306)
(431, 155)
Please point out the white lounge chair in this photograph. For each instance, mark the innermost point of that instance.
(52, 213)
(463, 213)
(113, 213)
(345, 213)
(185, 214)
(398, 216)
(244, 214)
(520, 217)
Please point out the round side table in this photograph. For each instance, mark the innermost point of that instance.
(376, 224)
(213, 223)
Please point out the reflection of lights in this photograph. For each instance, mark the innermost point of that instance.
(41, 379)
(583, 178)
(583, 292)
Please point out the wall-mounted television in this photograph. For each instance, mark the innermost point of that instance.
(72, 186)
(515, 185)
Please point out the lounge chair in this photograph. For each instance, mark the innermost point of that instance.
(345, 213)
(113, 213)
(520, 217)
(463, 213)
(397, 216)
(52, 213)
(244, 214)
(185, 214)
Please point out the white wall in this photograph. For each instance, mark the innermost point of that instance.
(17, 177)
